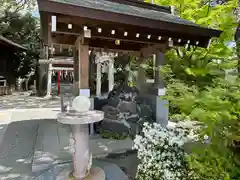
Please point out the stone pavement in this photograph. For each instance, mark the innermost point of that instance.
(20, 100)
(30, 148)
(28, 126)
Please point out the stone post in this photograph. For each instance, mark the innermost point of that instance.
(141, 76)
(49, 76)
(99, 79)
(105, 58)
(49, 81)
(110, 74)
(161, 105)
(158, 63)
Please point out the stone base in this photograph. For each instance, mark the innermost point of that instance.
(101, 170)
(95, 174)
(48, 97)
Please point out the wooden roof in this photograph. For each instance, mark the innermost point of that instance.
(8, 43)
(123, 16)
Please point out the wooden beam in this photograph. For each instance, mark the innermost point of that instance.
(62, 69)
(98, 43)
(56, 61)
(179, 39)
(64, 39)
(138, 35)
(106, 33)
(110, 44)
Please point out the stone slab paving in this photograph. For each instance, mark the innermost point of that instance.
(127, 161)
(17, 150)
(24, 101)
(23, 141)
(3, 128)
(51, 145)
(50, 132)
(24, 135)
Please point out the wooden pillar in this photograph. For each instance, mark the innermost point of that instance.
(84, 65)
(81, 68)
(47, 41)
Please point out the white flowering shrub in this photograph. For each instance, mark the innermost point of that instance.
(161, 152)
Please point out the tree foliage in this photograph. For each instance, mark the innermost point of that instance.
(197, 89)
(194, 64)
(20, 26)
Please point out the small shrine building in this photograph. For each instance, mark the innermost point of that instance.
(107, 27)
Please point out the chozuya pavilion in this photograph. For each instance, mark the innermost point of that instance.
(108, 27)
(130, 26)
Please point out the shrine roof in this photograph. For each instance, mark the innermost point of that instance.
(129, 12)
(122, 8)
(155, 24)
(9, 43)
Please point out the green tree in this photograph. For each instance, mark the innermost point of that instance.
(18, 25)
(194, 64)
(197, 89)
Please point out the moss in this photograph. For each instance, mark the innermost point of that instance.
(112, 135)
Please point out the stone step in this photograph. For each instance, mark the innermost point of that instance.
(17, 150)
(52, 146)
(61, 171)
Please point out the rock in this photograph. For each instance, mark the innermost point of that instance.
(110, 109)
(110, 112)
(99, 103)
(124, 113)
(111, 116)
(123, 92)
(133, 118)
(145, 111)
(114, 126)
(113, 101)
(128, 106)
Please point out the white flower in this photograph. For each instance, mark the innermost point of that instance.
(205, 137)
(160, 151)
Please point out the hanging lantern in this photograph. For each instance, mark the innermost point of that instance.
(117, 42)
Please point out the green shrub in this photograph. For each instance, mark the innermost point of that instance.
(112, 135)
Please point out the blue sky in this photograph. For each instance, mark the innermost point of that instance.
(35, 13)
(232, 44)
